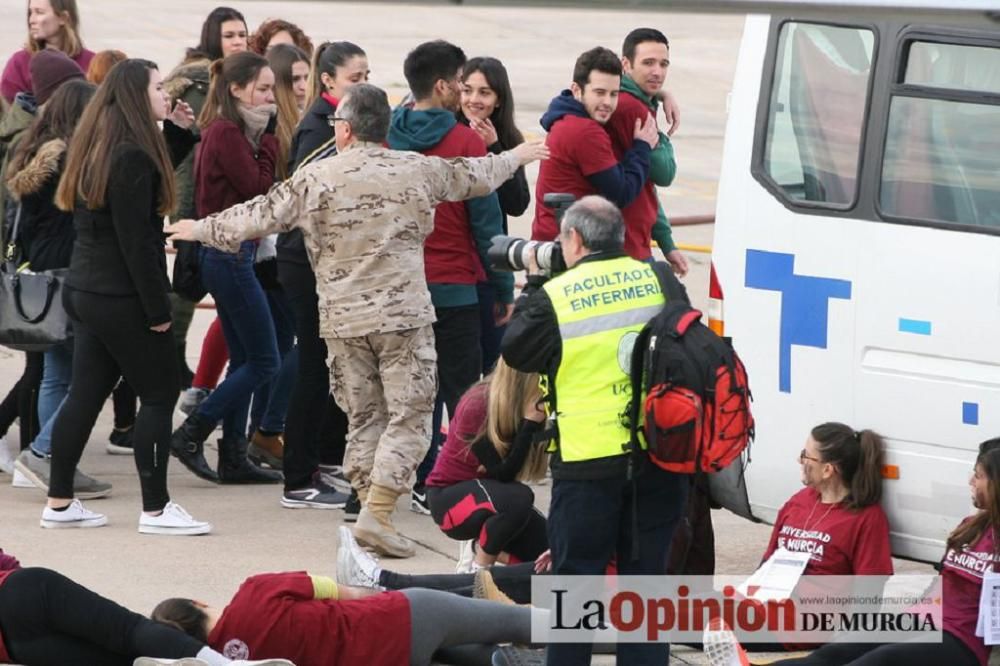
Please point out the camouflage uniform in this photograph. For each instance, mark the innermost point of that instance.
(364, 215)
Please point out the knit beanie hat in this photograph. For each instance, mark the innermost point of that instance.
(49, 70)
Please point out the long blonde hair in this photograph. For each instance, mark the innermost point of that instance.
(507, 391)
(282, 59)
(71, 45)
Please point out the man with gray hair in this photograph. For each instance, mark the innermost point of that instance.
(577, 330)
(364, 215)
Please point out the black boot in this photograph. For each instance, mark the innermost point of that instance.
(187, 444)
(235, 468)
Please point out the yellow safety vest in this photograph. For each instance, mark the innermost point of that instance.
(600, 306)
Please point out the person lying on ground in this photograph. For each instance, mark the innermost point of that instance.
(314, 621)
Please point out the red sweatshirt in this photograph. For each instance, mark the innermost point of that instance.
(227, 171)
(640, 215)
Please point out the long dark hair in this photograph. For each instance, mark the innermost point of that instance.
(859, 457)
(326, 59)
(120, 112)
(210, 46)
(182, 614)
(238, 68)
(970, 531)
(503, 115)
(57, 121)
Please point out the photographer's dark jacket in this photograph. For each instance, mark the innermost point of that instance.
(577, 330)
(119, 249)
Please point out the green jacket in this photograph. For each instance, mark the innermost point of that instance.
(189, 82)
(15, 122)
(662, 167)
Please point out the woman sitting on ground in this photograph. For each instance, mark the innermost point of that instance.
(313, 620)
(475, 490)
(971, 542)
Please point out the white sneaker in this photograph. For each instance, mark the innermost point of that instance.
(173, 520)
(75, 515)
(721, 646)
(466, 557)
(7, 457)
(355, 565)
(19, 480)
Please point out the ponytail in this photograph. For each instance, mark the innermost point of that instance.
(859, 457)
(327, 57)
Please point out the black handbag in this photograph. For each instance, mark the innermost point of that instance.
(32, 316)
(187, 271)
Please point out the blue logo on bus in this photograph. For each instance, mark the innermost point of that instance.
(804, 304)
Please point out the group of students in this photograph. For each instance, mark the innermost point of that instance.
(240, 113)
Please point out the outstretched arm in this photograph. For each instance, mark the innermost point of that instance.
(283, 207)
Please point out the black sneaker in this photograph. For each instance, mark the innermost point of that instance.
(314, 496)
(418, 500)
(120, 442)
(352, 508)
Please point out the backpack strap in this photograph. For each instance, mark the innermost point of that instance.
(669, 284)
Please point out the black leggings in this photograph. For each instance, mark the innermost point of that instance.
(950, 651)
(47, 619)
(112, 339)
(21, 402)
(501, 516)
(513, 580)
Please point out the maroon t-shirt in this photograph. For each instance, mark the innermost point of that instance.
(961, 582)
(640, 215)
(450, 253)
(275, 616)
(842, 542)
(455, 461)
(579, 147)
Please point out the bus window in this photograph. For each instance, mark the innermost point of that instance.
(942, 156)
(817, 111)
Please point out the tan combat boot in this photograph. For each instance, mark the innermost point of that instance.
(374, 527)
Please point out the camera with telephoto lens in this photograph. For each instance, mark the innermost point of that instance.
(509, 253)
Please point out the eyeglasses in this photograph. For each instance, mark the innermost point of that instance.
(803, 457)
(333, 120)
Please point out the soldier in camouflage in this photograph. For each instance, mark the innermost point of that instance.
(364, 215)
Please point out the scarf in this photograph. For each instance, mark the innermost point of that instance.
(255, 120)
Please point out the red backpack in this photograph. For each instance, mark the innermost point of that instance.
(690, 394)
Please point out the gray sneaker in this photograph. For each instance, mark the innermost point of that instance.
(38, 470)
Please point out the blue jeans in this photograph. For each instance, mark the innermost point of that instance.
(590, 521)
(270, 401)
(249, 332)
(56, 376)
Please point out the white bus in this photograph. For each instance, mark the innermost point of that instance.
(857, 244)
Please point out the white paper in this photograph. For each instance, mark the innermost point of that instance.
(988, 625)
(776, 579)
